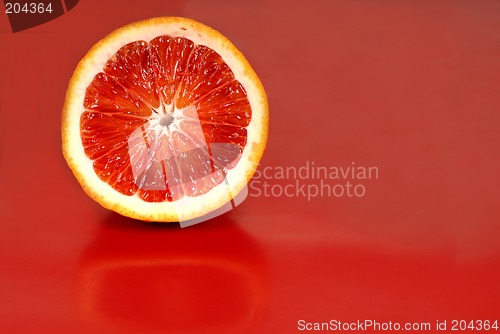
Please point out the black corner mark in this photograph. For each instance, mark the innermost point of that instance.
(28, 14)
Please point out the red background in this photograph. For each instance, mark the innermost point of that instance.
(411, 87)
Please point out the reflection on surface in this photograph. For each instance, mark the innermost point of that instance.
(142, 275)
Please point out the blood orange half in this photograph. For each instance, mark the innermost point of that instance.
(164, 120)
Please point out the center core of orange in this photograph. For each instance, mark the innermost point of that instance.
(166, 120)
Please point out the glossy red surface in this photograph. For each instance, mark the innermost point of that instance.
(408, 87)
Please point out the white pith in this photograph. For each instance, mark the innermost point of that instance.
(187, 207)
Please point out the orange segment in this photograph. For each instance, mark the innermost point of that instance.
(205, 72)
(131, 68)
(105, 94)
(169, 58)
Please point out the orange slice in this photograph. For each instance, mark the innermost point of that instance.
(164, 120)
